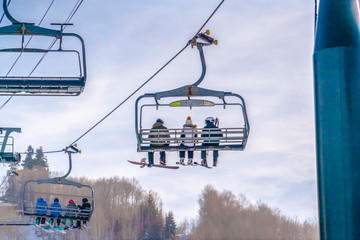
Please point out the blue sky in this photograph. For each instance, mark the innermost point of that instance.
(264, 54)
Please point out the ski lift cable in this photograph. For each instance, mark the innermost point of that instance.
(68, 19)
(2, 17)
(62, 150)
(149, 79)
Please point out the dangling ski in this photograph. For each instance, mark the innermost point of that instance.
(144, 163)
(199, 164)
(47, 229)
(60, 230)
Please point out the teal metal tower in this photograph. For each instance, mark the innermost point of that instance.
(337, 110)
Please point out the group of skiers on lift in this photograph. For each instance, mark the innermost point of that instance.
(209, 132)
(71, 212)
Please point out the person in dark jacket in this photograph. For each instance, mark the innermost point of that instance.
(210, 131)
(157, 132)
(84, 212)
(70, 212)
(41, 209)
(55, 211)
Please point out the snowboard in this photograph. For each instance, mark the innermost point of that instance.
(144, 163)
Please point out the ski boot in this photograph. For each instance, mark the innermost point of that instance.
(204, 163)
(182, 161)
(190, 161)
(215, 163)
(162, 162)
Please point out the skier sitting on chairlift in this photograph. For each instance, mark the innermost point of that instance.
(55, 212)
(157, 131)
(188, 131)
(70, 212)
(209, 132)
(41, 209)
(84, 212)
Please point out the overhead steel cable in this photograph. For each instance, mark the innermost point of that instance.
(149, 79)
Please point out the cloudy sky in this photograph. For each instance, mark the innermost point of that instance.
(264, 54)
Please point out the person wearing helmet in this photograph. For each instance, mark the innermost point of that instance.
(157, 133)
(209, 132)
(188, 132)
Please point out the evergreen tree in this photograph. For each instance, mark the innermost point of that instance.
(39, 161)
(29, 159)
(151, 215)
(170, 226)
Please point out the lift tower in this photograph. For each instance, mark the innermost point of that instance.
(337, 109)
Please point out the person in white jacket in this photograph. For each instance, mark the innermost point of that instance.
(188, 132)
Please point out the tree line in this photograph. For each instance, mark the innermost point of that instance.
(124, 210)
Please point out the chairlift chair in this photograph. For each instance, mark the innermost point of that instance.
(233, 138)
(41, 85)
(7, 153)
(29, 197)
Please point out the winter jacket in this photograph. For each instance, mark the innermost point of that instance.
(211, 131)
(85, 209)
(56, 209)
(188, 131)
(157, 131)
(41, 206)
(71, 210)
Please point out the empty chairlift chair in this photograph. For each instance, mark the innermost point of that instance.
(29, 85)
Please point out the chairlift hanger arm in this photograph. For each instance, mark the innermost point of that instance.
(7, 13)
(203, 64)
(8, 131)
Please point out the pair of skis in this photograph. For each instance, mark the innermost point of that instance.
(143, 163)
(193, 164)
(49, 229)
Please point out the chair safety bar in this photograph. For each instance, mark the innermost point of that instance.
(69, 213)
(232, 139)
